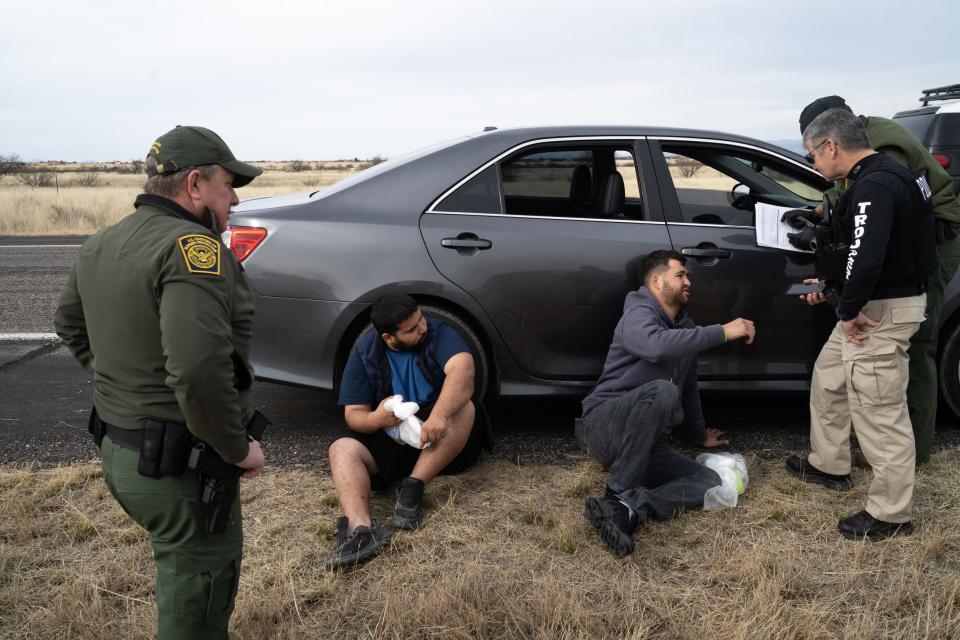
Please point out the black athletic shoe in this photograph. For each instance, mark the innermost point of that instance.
(363, 544)
(802, 468)
(407, 513)
(612, 521)
(863, 525)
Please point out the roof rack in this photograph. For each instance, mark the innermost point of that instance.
(948, 92)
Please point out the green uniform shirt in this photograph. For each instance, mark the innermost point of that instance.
(901, 145)
(161, 313)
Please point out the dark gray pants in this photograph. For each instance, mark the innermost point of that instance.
(629, 436)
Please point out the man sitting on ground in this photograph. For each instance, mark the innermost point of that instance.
(648, 386)
(426, 362)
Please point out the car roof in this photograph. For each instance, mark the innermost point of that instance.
(585, 130)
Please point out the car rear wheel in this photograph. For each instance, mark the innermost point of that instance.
(481, 362)
(948, 371)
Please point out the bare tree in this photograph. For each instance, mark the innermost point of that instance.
(10, 164)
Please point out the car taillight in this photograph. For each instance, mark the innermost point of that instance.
(943, 159)
(243, 240)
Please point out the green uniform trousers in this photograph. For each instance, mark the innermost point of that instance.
(197, 572)
(922, 390)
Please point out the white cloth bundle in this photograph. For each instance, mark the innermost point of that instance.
(732, 469)
(408, 431)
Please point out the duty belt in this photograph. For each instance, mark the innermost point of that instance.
(127, 438)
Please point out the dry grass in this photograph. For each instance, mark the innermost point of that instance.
(68, 207)
(504, 553)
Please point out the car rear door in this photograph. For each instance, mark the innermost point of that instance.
(731, 276)
(530, 238)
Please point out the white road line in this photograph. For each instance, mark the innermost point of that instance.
(28, 337)
(37, 246)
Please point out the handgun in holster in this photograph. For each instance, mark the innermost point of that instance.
(218, 478)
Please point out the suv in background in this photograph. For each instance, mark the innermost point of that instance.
(937, 126)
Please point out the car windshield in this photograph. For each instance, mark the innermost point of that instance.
(383, 167)
(918, 125)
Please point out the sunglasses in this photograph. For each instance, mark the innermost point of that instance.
(809, 156)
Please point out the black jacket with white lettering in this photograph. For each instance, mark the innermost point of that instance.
(888, 218)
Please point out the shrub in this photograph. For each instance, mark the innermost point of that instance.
(35, 178)
(688, 167)
(88, 179)
(298, 165)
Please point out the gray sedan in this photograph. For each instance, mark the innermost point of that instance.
(527, 240)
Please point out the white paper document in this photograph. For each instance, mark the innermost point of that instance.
(770, 231)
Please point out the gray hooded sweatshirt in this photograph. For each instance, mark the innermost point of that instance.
(647, 345)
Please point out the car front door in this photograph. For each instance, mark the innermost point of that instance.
(547, 239)
(708, 189)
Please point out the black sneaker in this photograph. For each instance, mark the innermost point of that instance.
(863, 525)
(407, 513)
(363, 544)
(802, 468)
(612, 520)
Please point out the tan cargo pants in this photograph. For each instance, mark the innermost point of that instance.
(865, 384)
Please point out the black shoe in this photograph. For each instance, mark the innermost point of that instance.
(802, 468)
(363, 544)
(612, 520)
(407, 513)
(863, 525)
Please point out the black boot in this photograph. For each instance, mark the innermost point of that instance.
(613, 521)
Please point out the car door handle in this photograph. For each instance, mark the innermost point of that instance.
(694, 252)
(466, 243)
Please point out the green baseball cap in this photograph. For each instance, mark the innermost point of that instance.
(187, 147)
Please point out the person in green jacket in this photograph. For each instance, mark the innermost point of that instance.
(896, 141)
(161, 313)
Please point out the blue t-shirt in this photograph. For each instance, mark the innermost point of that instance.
(407, 379)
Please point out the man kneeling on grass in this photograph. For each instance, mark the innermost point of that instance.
(426, 362)
(648, 386)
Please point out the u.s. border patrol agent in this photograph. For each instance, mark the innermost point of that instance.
(161, 313)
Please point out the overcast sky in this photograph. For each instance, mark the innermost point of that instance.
(281, 80)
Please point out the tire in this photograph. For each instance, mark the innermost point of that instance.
(481, 361)
(948, 371)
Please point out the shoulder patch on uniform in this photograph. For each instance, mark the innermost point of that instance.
(201, 253)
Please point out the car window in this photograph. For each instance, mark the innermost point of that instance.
(918, 124)
(544, 174)
(594, 180)
(480, 194)
(791, 183)
(627, 169)
(697, 183)
(704, 178)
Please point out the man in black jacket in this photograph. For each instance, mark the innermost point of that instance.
(886, 222)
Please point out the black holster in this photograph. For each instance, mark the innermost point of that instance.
(218, 478)
(96, 427)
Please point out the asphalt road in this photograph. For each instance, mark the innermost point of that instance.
(45, 395)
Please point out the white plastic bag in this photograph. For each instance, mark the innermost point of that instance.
(732, 469)
(408, 431)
